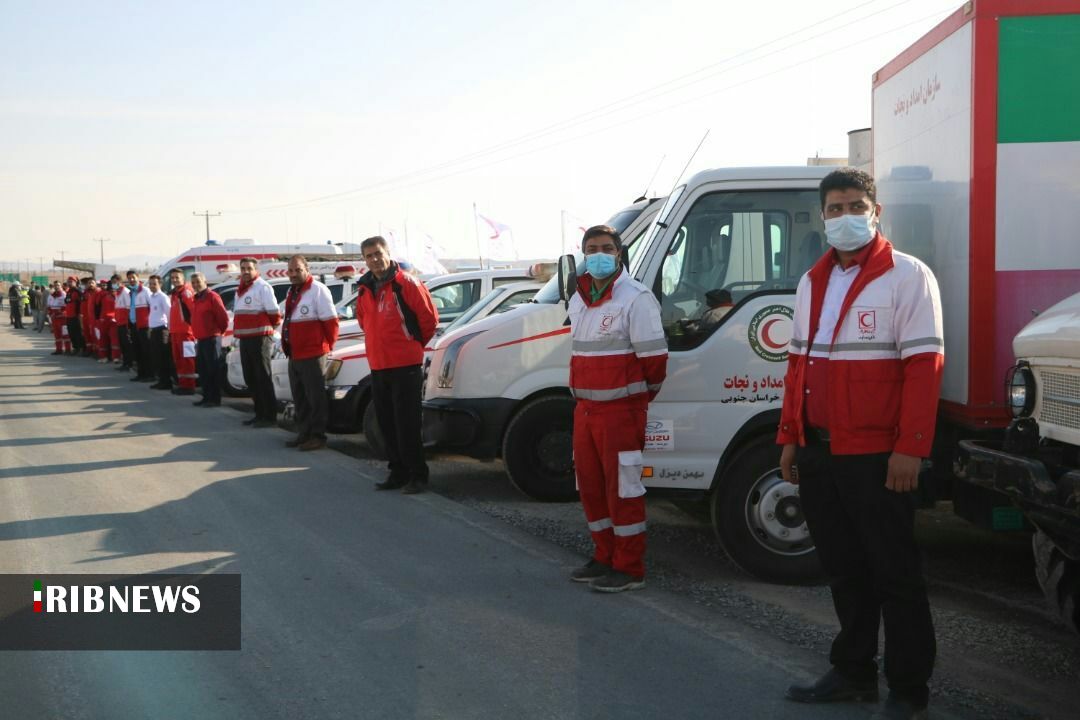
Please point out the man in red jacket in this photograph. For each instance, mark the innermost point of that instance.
(307, 335)
(209, 320)
(255, 315)
(89, 316)
(398, 318)
(181, 339)
(72, 316)
(860, 404)
(108, 331)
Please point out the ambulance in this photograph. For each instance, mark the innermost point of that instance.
(220, 261)
(498, 387)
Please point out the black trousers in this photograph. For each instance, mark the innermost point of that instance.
(162, 355)
(74, 326)
(309, 396)
(127, 343)
(396, 394)
(143, 356)
(865, 538)
(16, 316)
(255, 361)
(208, 365)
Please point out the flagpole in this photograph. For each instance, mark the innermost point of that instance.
(476, 227)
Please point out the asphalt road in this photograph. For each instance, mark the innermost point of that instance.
(355, 603)
(450, 604)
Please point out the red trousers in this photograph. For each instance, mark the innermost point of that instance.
(90, 334)
(108, 340)
(607, 460)
(185, 366)
(60, 332)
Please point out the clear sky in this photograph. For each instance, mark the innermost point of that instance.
(119, 119)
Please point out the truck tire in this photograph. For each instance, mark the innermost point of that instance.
(1059, 578)
(758, 519)
(538, 451)
(372, 431)
(227, 387)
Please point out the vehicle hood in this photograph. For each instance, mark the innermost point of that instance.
(1054, 333)
(516, 316)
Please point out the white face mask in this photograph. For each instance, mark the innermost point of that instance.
(850, 232)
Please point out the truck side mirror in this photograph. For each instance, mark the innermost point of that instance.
(567, 277)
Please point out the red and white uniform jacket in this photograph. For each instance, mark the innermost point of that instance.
(208, 316)
(390, 343)
(72, 301)
(90, 307)
(142, 306)
(311, 321)
(107, 299)
(56, 304)
(619, 354)
(255, 309)
(884, 357)
(180, 313)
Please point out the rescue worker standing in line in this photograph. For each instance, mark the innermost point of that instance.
(73, 303)
(160, 308)
(57, 301)
(399, 318)
(109, 337)
(255, 315)
(618, 362)
(209, 320)
(89, 321)
(138, 319)
(181, 339)
(860, 405)
(307, 335)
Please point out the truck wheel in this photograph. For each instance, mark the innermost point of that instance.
(227, 387)
(758, 518)
(538, 449)
(1059, 578)
(372, 432)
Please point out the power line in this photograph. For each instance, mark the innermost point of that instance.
(603, 110)
(101, 242)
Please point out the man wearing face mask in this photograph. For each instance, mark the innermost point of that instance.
(618, 362)
(860, 406)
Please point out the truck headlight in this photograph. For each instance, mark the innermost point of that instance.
(332, 369)
(450, 359)
(1021, 390)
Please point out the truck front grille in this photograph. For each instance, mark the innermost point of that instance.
(1060, 399)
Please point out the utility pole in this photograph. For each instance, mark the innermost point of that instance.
(101, 242)
(207, 214)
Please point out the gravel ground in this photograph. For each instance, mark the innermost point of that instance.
(1001, 653)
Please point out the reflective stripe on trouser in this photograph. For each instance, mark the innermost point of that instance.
(63, 342)
(108, 340)
(616, 521)
(185, 367)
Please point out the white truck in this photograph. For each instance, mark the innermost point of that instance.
(498, 387)
(1037, 463)
(348, 375)
(220, 261)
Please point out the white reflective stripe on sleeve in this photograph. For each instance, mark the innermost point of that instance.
(650, 346)
(611, 345)
(627, 530)
(247, 332)
(600, 525)
(610, 394)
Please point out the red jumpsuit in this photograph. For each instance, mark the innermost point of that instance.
(617, 364)
(183, 300)
(108, 330)
(89, 322)
(57, 303)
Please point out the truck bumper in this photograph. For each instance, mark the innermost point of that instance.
(472, 427)
(1049, 502)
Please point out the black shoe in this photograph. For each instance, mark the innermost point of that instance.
(160, 386)
(897, 709)
(590, 571)
(183, 391)
(264, 423)
(199, 403)
(390, 483)
(296, 442)
(250, 421)
(136, 379)
(834, 687)
(616, 581)
(211, 403)
(57, 352)
(413, 487)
